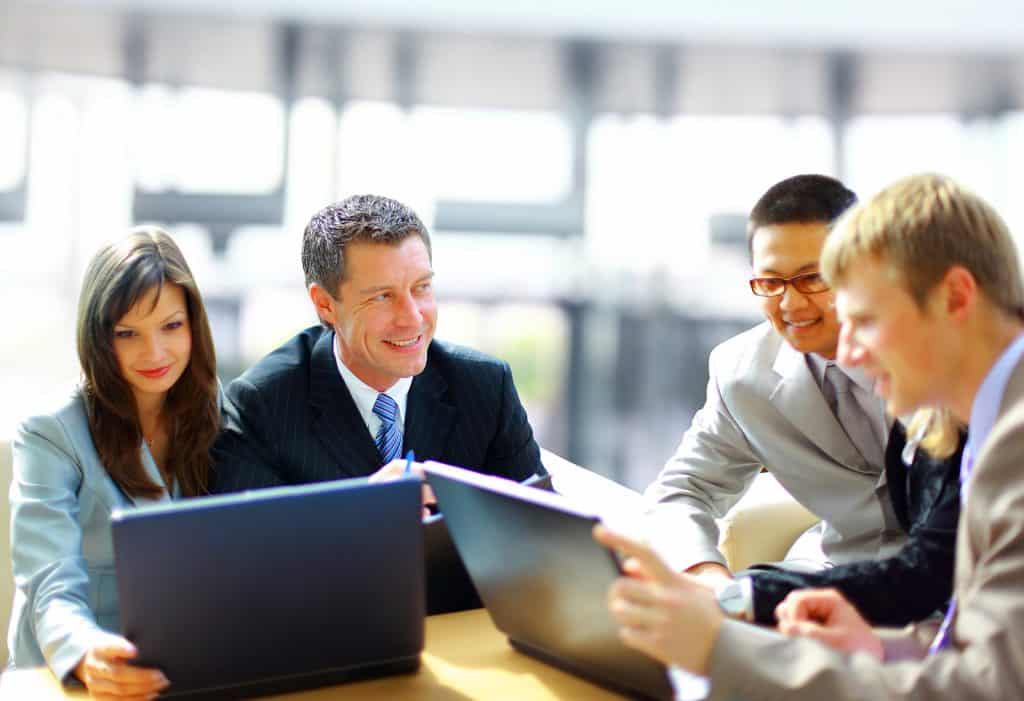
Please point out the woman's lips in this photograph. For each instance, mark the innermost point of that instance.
(155, 373)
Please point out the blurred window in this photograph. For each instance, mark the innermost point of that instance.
(495, 155)
(658, 182)
(13, 118)
(882, 149)
(201, 140)
(434, 153)
(532, 338)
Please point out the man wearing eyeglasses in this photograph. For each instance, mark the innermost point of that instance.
(777, 399)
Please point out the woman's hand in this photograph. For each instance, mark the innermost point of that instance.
(107, 675)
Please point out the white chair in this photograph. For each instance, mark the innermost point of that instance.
(763, 525)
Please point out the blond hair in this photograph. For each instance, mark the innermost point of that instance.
(920, 227)
(936, 430)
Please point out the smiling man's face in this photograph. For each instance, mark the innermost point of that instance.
(904, 348)
(807, 321)
(384, 313)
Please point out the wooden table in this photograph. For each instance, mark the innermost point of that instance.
(465, 658)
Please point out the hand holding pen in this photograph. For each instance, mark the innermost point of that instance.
(406, 467)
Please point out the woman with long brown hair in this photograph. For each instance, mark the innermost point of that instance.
(137, 430)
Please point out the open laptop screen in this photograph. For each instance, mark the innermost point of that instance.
(274, 589)
(542, 577)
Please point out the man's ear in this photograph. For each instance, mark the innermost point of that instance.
(324, 303)
(960, 291)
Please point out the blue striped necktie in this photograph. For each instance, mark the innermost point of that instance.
(389, 440)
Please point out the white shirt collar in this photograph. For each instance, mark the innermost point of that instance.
(365, 396)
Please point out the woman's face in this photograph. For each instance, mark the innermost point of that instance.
(153, 344)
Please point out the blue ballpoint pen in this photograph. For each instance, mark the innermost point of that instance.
(409, 457)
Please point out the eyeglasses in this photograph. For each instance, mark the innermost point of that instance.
(808, 284)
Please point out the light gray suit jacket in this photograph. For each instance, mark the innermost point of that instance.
(985, 660)
(61, 550)
(764, 407)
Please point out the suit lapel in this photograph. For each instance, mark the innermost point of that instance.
(153, 472)
(429, 421)
(337, 423)
(798, 398)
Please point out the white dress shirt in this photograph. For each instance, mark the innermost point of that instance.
(365, 396)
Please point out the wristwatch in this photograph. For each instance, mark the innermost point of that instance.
(736, 599)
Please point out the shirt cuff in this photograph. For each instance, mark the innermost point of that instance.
(687, 686)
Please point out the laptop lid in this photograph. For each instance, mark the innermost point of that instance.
(276, 589)
(449, 586)
(542, 577)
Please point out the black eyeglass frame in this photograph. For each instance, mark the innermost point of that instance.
(803, 283)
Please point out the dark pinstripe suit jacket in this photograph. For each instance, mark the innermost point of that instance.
(290, 419)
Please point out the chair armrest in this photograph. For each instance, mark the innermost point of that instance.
(763, 525)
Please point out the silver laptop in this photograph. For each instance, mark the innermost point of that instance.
(274, 590)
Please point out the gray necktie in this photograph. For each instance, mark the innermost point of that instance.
(838, 391)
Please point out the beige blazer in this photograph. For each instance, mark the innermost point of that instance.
(985, 659)
(764, 407)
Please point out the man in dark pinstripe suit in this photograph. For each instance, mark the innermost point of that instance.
(311, 410)
(305, 412)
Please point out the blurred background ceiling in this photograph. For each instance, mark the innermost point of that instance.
(984, 26)
(663, 57)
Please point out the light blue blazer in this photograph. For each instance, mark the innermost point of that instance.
(61, 551)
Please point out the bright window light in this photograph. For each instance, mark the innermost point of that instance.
(199, 140)
(12, 140)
